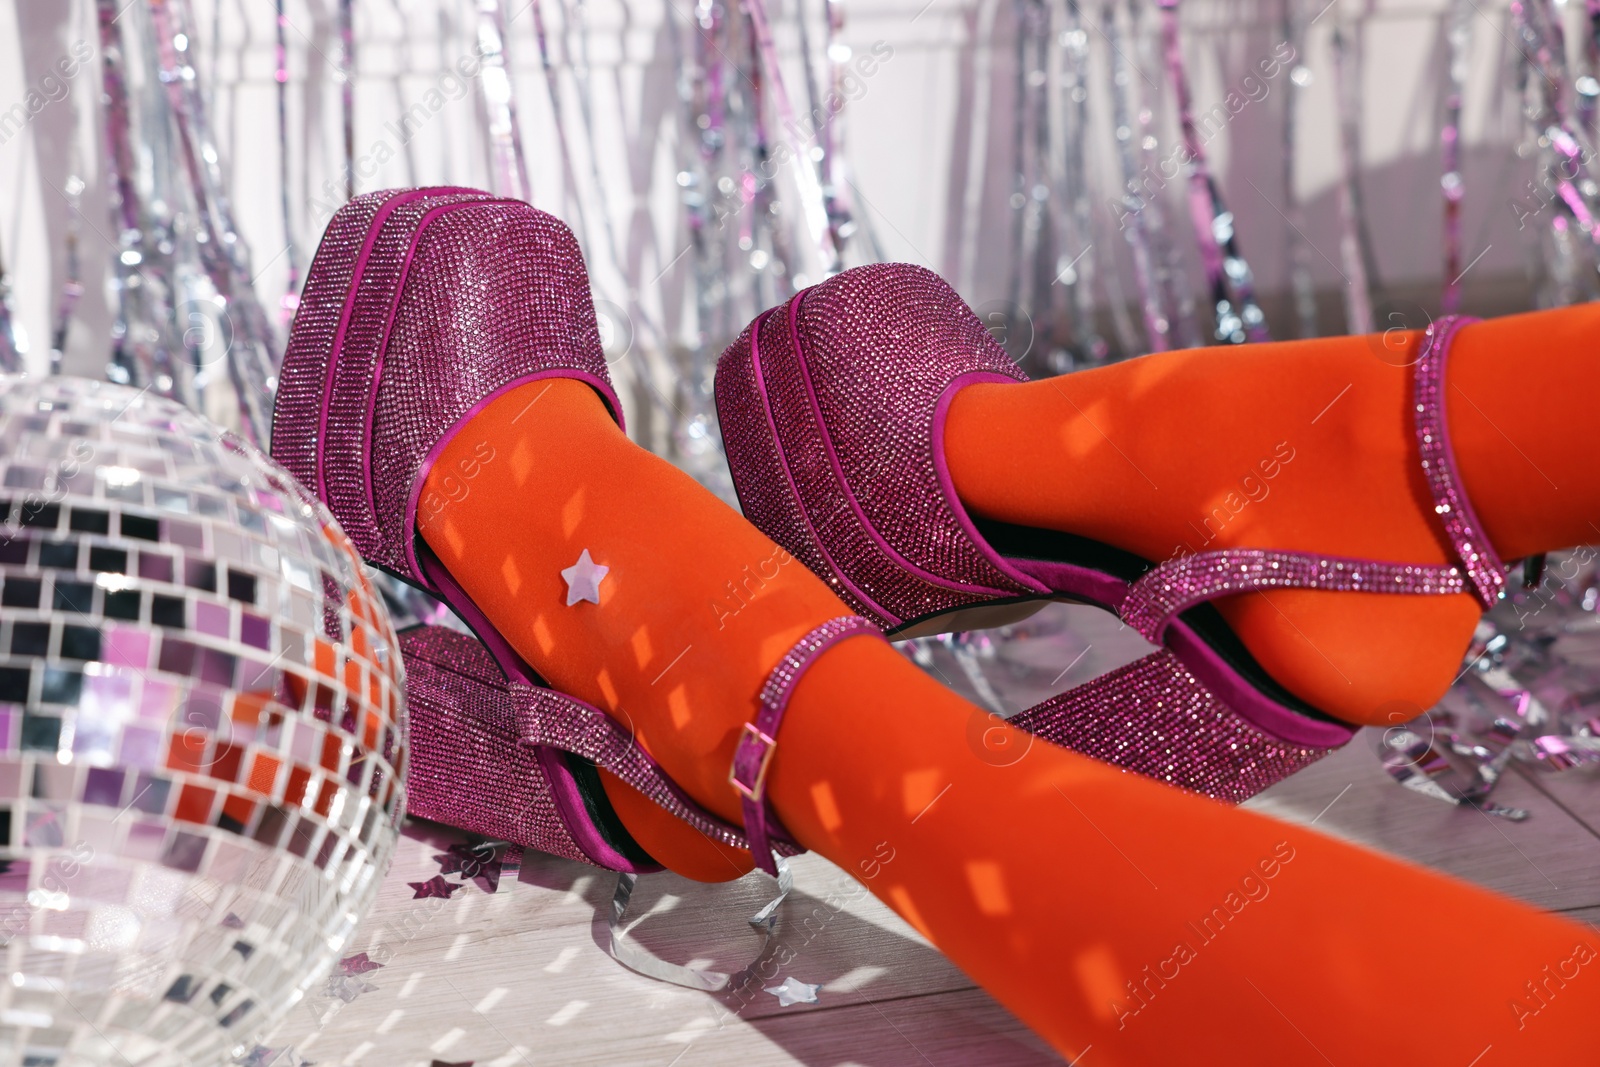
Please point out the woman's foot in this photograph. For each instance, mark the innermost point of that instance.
(1304, 446)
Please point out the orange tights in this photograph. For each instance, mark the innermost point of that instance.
(1102, 908)
(1305, 445)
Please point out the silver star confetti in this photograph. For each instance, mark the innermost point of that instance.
(794, 992)
(347, 987)
(583, 580)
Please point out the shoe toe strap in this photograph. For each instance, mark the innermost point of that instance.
(1177, 585)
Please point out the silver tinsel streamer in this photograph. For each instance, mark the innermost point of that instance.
(1172, 268)
(821, 121)
(1588, 85)
(1565, 185)
(574, 22)
(11, 348)
(835, 165)
(291, 295)
(1075, 266)
(1458, 33)
(347, 89)
(813, 209)
(1139, 219)
(1027, 296)
(508, 167)
(71, 284)
(553, 87)
(143, 341)
(1299, 249)
(1355, 246)
(1238, 316)
(224, 328)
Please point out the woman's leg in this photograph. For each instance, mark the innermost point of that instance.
(1305, 445)
(1103, 908)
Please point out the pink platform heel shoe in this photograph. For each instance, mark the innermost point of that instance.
(420, 308)
(832, 411)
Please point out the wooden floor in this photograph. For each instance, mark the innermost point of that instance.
(519, 976)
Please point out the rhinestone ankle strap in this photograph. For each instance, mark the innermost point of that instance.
(757, 744)
(1479, 562)
(1161, 594)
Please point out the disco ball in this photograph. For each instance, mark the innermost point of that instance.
(201, 733)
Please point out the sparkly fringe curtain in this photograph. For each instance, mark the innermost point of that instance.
(758, 134)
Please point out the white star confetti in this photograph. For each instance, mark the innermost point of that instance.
(583, 580)
(793, 992)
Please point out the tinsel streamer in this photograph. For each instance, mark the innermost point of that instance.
(290, 300)
(1238, 316)
(244, 51)
(558, 112)
(712, 121)
(1355, 250)
(980, 111)
(1075, 265)
(697, 192)
(1570, 227)
(1301, 285)
(758, 182)
(508, 168)
(1053, 331)
(347, 89)
(574, 22)
(1539, 26)
(817, 153)
(701, 144)
(402, 73)
(1026, 33)
(72, 282)
(249, 356)
(1054, 340)
(1564, 159)
(1028, 206)
(636, 315)
(1170, 267)
(1133, 223)
(1588, 86)
(836, 182)
(12, 348)
(1459, 34)
(813, 210)
(142, 344)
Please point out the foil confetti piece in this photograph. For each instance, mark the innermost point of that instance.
(360, 963)
(792, 991)
(1529, 695)
(631, 955)
(347, 987)
(484, 863)
(437, 886)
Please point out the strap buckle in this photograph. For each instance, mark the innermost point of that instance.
(752, 735)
